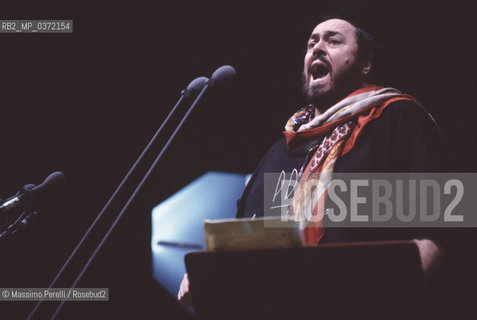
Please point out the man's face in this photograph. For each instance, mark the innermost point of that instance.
(331, 68)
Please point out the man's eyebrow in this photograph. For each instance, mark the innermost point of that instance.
(327, 33)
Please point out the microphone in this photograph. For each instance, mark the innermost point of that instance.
(194, 87)
(222, 75)
(31, 194)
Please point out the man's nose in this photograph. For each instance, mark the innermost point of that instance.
(319, 49)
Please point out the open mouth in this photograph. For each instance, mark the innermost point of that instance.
(319, 71)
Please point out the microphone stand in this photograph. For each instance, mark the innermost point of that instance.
(222, 74)
(15, 221)
(184, 94)
(131, 198)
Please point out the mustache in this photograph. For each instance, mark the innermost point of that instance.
(322, 58)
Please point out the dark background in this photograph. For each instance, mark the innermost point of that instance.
(87, 103)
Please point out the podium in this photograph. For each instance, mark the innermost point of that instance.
(366, 280)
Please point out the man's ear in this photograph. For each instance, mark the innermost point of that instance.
(366, 66)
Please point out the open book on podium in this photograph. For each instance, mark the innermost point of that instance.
(365, 280)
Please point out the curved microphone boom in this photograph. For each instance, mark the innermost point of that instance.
(194, 87)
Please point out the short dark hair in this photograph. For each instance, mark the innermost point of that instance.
(367, 46)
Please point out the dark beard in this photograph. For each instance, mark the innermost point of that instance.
(347, 82)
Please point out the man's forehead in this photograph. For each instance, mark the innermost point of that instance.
(334, 26)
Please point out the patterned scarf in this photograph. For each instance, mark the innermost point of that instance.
(341, 125)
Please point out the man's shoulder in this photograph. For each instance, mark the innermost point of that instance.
(407, 114)
(407, 108)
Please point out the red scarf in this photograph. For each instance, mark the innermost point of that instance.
(341, 124)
